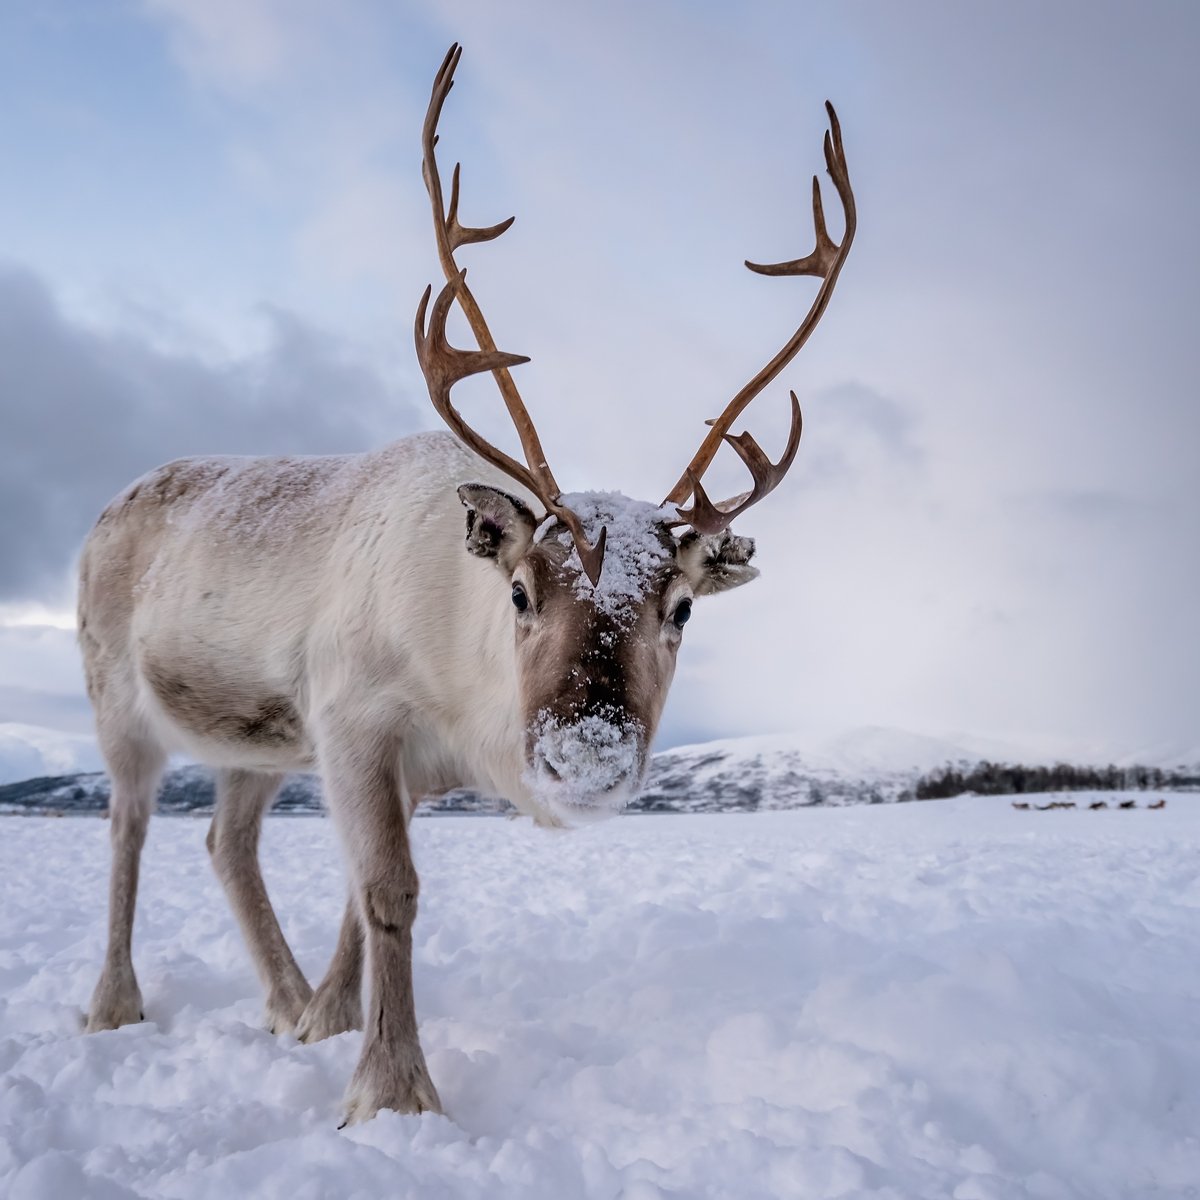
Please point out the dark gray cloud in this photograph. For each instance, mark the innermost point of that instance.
(84, 412)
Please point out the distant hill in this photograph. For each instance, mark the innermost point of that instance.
(737, 775)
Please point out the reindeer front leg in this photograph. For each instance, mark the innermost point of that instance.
(336, 1005)
(368, 800)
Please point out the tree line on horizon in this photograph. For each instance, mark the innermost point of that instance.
(1007, 779)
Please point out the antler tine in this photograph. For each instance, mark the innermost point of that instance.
(706, 517)
(443, 365)
(461, 235)
(446, 365)
(825, 262)
(818, 262)
(823, 258)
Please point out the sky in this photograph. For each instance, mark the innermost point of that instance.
(213, 236)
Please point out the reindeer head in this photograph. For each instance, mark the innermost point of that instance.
(601, 585)
(595, 661)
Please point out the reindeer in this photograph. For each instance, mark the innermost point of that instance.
(267, 615)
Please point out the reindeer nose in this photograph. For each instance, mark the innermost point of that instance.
(568, 755)
(588, 758)
(552, 772)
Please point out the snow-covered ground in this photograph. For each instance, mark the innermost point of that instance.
(948, 999)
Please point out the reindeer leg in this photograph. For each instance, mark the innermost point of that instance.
(336, 1005)
(135, 766)
(368, 800)
(242, 799)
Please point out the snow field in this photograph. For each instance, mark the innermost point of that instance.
(948, 999)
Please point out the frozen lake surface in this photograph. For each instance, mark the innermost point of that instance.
(950, 999)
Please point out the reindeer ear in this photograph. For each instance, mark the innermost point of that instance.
(499, 526)
(715, 562)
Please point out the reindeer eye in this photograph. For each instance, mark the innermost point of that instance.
(520, 600)
(682, 613)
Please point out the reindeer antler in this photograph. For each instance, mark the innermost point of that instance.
(443, 365)
(825, 262)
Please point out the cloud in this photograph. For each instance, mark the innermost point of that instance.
(990, 520)
(86, 412)
(1088, 506)
(239, 44)
(41, 658)
(29, 751)
(854, 432)
(41, 679)
(72, 714)
(311, 101)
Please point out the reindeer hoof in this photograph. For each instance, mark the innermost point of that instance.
(286, 1005)
(328, 1014)
(115, 1002)
(401, 1084)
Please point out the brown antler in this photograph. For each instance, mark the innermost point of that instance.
(443, 365)
(826, 263)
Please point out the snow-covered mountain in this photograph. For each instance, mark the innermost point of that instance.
(742, 774)
(868, 766)
(784, 771)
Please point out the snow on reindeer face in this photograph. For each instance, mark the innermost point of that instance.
(595, 662)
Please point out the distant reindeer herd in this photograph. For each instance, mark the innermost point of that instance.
(1095, 806)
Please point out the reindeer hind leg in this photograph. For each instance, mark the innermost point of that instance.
(242, 799)
(336, 1005)
(135, 765)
